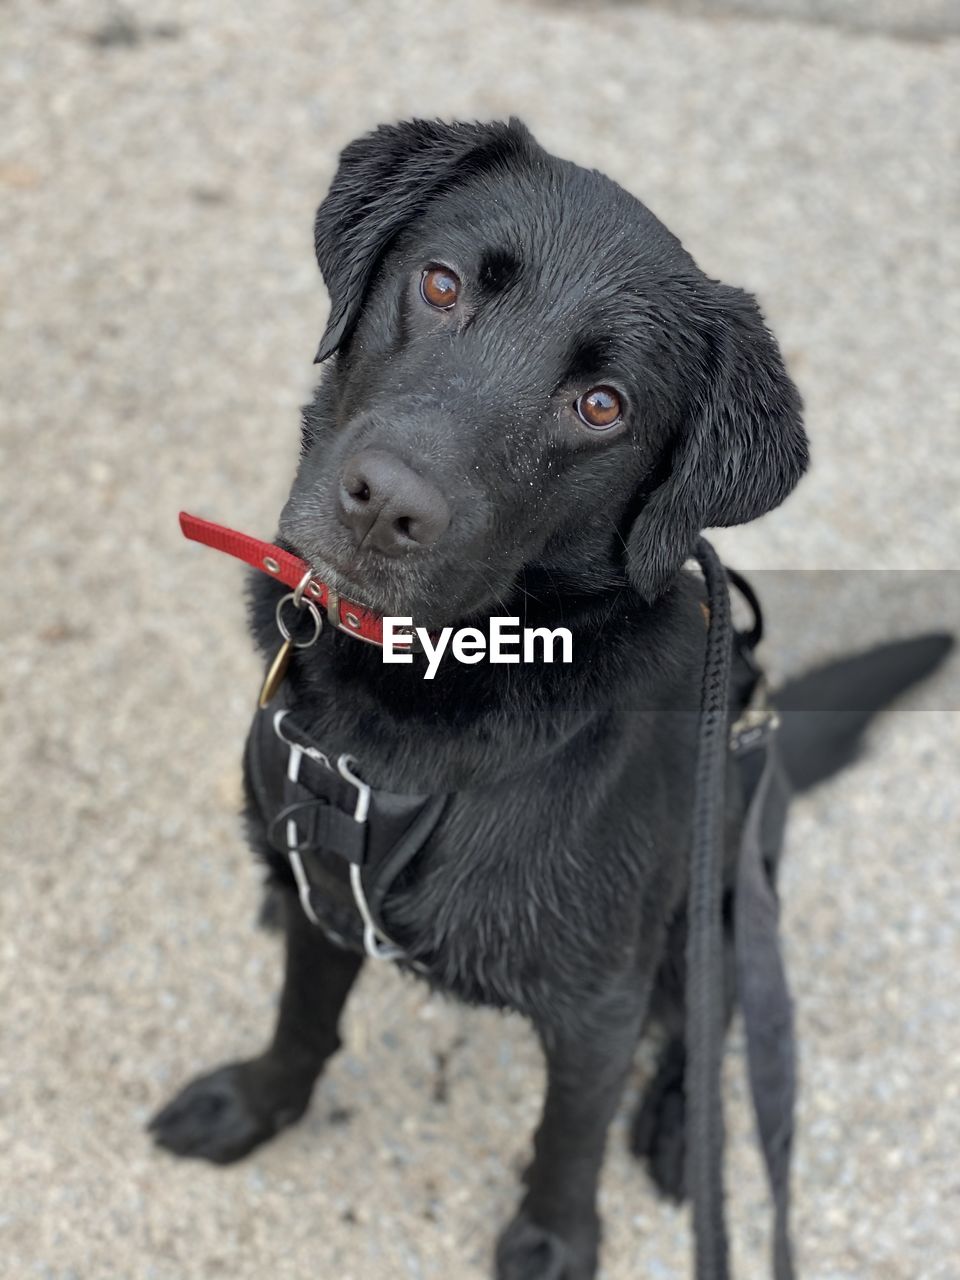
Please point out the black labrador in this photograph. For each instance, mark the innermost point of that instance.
(537, 403)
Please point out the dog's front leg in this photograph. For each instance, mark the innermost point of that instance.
(225, 1114)
(556, 1232)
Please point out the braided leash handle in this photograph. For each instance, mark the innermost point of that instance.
(705, 995)
(763, 990)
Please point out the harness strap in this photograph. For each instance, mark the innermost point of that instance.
(317, 826)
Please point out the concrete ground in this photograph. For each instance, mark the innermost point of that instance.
(159, 167)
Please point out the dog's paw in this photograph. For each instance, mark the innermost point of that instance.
(527, 1251)
(219, 1116)
(659, 1135)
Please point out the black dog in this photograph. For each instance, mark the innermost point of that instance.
(538, 402)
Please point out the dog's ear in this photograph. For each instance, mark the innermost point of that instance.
(383, 181)
(738, 454)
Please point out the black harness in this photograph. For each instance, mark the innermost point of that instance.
(349, 843)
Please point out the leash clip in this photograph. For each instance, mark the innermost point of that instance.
(758, 720)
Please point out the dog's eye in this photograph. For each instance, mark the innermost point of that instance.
(600, 408)
(439, 287)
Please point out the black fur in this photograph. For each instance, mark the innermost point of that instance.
(555, 882)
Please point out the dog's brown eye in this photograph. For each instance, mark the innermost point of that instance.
(439, 287)
(600, 408)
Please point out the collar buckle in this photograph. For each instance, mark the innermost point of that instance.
(341, 615)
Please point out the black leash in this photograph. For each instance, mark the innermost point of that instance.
(762, 984)
(762, 987)
(705, 998)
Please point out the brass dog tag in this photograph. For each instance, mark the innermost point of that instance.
(274, 677)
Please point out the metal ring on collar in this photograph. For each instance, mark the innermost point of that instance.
(314, 613)
(301, 587)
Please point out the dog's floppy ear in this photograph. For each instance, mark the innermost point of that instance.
(741, 451)
(383, 181)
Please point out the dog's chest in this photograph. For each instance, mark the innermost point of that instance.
(525, 890)
(510, 904)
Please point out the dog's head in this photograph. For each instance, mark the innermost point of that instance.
(532, 377)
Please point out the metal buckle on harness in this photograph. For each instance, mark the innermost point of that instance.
(362, 809)
(376, 944)
(755, 723)
(293, 852)
(312, 752)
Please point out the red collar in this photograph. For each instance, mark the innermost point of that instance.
(354, 619)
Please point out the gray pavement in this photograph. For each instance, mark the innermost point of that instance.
(159, 168)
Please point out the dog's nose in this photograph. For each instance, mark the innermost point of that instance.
(386, 505)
